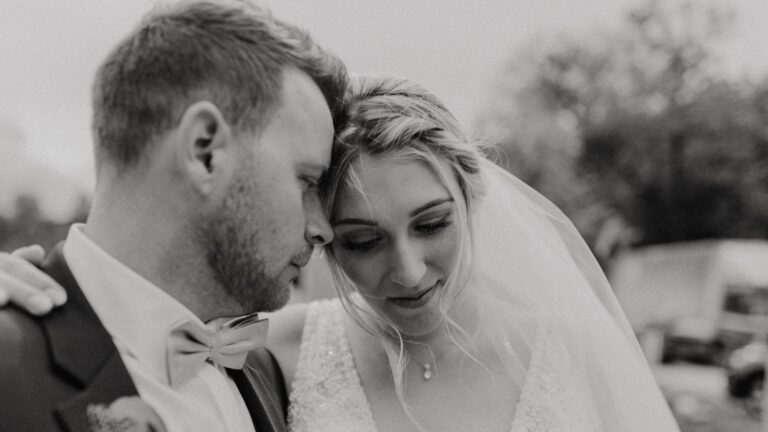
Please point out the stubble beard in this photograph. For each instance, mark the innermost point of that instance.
(232, 243)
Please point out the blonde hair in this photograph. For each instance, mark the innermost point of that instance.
(385, 116)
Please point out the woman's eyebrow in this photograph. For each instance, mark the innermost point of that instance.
(414, 212)
(354, 221)
(429, 205)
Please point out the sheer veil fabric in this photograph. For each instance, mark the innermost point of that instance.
(535, 277)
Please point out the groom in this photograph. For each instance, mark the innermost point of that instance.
(213, 125)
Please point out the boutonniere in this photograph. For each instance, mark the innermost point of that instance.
(127, 414)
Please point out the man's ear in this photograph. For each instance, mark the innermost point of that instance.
(205, 146)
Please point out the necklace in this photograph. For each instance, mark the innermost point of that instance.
(427, 370)
(426, 367)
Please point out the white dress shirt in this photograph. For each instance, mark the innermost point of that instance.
(139, 316)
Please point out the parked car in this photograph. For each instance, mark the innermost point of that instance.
(686, 299)
(715, 351)
(745, 368)
(692, 350)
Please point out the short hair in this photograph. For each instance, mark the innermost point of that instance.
(231, 53)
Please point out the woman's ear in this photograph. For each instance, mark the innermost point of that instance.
(205, 146)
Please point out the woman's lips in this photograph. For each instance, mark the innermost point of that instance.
(418, 300)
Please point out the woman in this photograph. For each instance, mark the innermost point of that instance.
(466, 300)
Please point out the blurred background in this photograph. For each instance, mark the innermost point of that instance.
(645, 121)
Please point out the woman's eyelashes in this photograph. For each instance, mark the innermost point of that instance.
(360, 246)
(359, 240)
(434, 226)
(310, 182)
(367, 242)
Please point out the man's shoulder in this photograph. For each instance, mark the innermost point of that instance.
(21, 337)
(25, 359)
(30, 385)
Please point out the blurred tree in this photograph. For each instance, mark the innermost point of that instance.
(635, 134)
(697, 171)
(29, 226)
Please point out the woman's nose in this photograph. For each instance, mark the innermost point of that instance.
(408, 267)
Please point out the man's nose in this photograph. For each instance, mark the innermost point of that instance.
(318, 231)
(408, 266)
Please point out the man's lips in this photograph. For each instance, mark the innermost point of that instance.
(303, 258)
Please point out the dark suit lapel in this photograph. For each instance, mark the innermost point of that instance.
(82, 351)
(262, 404)
(110, 383)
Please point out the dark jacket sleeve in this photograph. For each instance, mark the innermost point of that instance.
(29, 389)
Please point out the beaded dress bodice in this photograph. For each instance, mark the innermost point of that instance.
(327, 393)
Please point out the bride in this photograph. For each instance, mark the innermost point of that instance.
(466, 300)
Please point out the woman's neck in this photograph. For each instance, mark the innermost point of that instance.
(454, 337)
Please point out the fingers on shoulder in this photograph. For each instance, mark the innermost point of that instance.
(33, 253)
(26, 285)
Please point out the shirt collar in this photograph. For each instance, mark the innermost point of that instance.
(135, 312)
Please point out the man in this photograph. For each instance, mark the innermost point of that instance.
(212, 127)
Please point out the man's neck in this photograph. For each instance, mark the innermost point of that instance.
(160, 248)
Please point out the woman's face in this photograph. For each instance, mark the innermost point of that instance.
(400, 241)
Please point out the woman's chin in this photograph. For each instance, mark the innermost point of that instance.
(418, 324)
(412, 322)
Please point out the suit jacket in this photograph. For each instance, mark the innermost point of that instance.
(55, 369)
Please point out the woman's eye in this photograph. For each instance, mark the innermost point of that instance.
(360, 246)
(309, 182)
(433, 227)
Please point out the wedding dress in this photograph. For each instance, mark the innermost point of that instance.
(328, 395)
(579, 368)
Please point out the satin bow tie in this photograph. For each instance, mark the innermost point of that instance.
(224, 342)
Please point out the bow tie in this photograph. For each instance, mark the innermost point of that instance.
(224, 342)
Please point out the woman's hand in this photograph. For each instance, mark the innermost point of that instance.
(24, 284)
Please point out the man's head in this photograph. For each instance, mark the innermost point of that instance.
(270, 217)
(229, 114)
(231, 54)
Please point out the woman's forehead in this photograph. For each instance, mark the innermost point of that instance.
(390, 183)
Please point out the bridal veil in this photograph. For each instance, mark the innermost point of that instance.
(536, 278)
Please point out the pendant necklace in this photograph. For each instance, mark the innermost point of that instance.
(427, 370)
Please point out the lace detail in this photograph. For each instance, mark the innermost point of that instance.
(556, 395)
(327, 392)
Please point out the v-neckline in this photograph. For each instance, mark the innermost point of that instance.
(356, 386)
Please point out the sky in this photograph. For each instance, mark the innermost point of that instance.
(455, 48)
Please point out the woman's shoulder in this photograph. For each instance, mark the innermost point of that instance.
(286, 331)
(286, 324)
(284, 340)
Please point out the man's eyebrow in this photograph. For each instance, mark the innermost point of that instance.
(429, 205)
